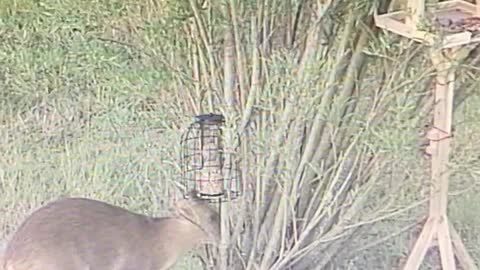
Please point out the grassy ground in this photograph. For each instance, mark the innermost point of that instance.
(77, 115)
(81, 115)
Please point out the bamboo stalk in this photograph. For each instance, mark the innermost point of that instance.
(195, 71)
(240, 57)
(255, 79)
(214, 80)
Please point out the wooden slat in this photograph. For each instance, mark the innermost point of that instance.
(442, 121)
(415, 13)
(457, 39)
(458, 4)
(447, 256)
(465, 260)
(402, 29)
(422, 245)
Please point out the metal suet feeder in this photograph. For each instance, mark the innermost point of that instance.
(207, 169)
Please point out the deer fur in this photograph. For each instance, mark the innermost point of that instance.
(81, 234)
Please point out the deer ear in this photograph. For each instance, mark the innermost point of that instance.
(184, 208)
(193, 195)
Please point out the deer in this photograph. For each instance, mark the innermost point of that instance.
(77, 233)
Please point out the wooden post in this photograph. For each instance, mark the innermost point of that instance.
(415, 12)
(437, 226)
(227, 188)
(225, 236)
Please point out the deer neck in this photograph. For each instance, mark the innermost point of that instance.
(178, 235)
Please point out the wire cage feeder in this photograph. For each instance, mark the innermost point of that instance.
(207, 169)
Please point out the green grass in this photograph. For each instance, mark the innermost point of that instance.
(79, 115)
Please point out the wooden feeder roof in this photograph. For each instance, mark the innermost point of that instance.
(449, 23)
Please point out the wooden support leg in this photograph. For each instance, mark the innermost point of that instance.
(225, 236)
(464, 259)
(422, 245)
(445, 245)
(449, 242)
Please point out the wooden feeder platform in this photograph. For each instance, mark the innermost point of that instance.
(452, 23)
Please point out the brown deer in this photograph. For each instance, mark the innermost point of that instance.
(81, 234)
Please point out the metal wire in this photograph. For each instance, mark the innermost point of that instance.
(207, 170)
